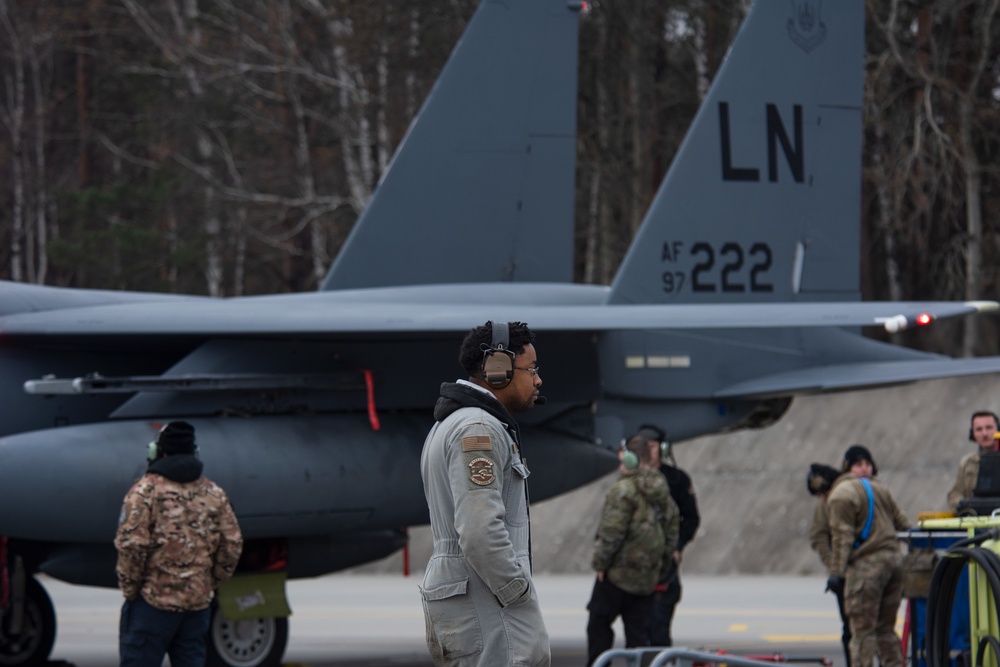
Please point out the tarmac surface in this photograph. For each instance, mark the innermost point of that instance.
(350, 620)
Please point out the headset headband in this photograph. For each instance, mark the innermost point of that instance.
(501, 335)
(498, 361)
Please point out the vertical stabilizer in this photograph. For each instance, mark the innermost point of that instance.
(763, 200)
(481, 187)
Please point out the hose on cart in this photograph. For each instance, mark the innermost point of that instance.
(983, 643)
(941, 598)
(977, 539)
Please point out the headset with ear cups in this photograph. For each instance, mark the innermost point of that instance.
(498, 361)
(630, 460)
(654, 432)
(154, 451)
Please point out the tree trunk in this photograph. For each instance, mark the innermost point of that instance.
(12, 115)
(41, 249)
(973, 224)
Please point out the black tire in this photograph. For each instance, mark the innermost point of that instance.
(32, 646)
(259, 642)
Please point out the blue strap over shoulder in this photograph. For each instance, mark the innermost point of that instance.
(871, 513)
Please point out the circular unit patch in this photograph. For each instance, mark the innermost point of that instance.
(481, 471)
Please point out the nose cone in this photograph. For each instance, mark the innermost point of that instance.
(67, 484)
(559, 463)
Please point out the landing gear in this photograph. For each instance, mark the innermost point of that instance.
(258, 642)
(27, 625)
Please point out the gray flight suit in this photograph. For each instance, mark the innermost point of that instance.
(480, 606)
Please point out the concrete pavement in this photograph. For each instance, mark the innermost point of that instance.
(354, 620)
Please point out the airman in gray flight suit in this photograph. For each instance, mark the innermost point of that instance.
(479, 602)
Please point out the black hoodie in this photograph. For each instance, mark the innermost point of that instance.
(455, 396)
(181, 468)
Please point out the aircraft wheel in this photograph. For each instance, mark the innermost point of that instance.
(258, 642)
(33, 643)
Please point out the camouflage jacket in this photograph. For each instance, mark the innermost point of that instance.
(178, 537)
(848, 507)
(638, 532)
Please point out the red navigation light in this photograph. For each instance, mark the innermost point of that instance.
(923, 319)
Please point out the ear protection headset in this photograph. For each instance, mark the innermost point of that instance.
(629, 458)
(498, 361)
(154, 452)
(996, 421)
(658, 434)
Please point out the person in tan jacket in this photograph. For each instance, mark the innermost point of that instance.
(818, 482)
(983, 430)
(865, 558)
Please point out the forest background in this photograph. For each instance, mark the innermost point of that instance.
(225, 147)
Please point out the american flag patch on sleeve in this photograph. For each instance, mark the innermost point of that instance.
(476, 443)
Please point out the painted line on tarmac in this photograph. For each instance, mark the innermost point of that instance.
(798, 639)
(759, 613)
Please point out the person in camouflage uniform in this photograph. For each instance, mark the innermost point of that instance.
(178, 539)
(667, 594)
(819, 481)
(633, 549)
(866, 569)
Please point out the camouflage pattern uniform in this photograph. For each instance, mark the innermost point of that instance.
(480, 606)
(634, 548)
(873, 586)
(965, 480)
(177, 540)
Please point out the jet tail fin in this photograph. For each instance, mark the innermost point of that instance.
(763, 200)
(481, 187)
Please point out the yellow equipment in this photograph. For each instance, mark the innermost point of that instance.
(981, 553)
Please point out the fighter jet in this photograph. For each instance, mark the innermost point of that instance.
(740, 291)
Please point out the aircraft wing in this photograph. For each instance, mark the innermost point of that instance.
(26, 298)
(322, 314)
(867, 375)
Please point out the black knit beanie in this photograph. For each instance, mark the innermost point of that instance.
(857, 453)
(820, 478)
(176, 438)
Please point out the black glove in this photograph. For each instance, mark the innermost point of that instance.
(836, 584)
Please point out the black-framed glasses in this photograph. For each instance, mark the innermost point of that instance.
(533, 370)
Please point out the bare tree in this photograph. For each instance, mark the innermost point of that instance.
(942, 52)
(12, 114)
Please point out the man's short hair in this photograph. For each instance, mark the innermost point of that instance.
(652, 432)
(985, 413)
(639, 445)
(470, 355)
